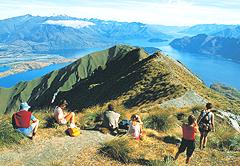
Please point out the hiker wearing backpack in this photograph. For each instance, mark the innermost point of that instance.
(61, 117)
(22, 119)
(188, 140)
(206, 124)
(135, 128)
(110, 119)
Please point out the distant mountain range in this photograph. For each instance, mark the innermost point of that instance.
(46, 34)
(208, 29)
(205, 44)
(229, 92)
(233, 32)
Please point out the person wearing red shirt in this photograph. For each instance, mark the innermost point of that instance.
(21, 121)
(188, 140)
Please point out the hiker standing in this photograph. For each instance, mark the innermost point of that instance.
(110, 119)
(206, 124)
(188, 140)
(135, 128)
(21, 121)
(63, 118)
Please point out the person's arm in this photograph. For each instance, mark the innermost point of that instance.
(199, 117)
(141, 130)
(195, 126)
(212, 121)
(33, 119)
(139, 120)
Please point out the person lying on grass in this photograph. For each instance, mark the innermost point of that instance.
(21, 121)
(61, 117)
(188, 140)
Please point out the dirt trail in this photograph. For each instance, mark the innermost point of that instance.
(48, 152)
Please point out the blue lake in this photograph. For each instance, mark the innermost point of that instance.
(4, 68)
(11, 80)
(210, 69)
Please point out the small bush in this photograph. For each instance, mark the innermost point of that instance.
(90, 119)
(117, 149)
(225, 138)
(230, 143)
(8, 136)
(159, 121)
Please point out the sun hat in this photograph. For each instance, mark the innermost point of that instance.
(24, 106)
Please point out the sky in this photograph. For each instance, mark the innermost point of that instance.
(164, 12)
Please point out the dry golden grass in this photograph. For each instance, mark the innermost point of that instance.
(151, 149)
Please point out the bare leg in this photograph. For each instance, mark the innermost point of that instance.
(70, 117)
(201, 141)
(187, 160)
(204, 141)
(176, 156)
(35, 125)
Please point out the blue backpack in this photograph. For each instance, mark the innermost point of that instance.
(124, 124)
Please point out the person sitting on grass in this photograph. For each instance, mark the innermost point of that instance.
(21, 121)
(110, 119)
(135, 128)
(61, 117)
(188, 140)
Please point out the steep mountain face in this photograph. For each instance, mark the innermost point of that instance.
(46, 34)
(204, 44)
(123, 73)
(229, 33)
(206, 29)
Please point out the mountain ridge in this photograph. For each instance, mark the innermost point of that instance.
(123, 73)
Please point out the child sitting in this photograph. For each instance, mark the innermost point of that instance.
(135, 128)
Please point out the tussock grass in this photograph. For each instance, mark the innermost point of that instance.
(9, 136)
(159, 121)
(117, 149)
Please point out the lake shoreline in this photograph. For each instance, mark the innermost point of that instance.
(32, 65)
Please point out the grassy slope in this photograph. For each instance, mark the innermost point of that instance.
(132, 78)
(151, 150)
(39, 92)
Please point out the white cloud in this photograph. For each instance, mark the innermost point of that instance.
(70, 23)
(168, 12)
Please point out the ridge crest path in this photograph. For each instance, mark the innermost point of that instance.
(46, 151)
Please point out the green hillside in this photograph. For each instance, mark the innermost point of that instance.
(123, 73)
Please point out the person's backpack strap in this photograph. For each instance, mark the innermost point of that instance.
(203, 117)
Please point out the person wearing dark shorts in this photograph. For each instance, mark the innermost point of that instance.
(188, 140)
(206, 124)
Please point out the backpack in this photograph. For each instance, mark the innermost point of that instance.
(74, 132)
(124, 124)
(205, 124)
